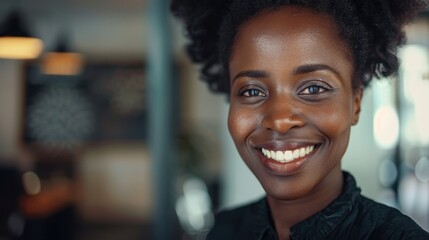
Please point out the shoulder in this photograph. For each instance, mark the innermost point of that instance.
(388, 222)
(233, 223)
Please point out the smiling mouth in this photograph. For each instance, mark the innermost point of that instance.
(288, 155)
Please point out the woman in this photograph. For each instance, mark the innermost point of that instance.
(294, 71)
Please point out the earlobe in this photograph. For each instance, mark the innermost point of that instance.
(357, 105)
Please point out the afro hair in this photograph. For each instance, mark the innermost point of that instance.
(372, 29)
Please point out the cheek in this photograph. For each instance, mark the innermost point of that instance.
(335, 122)
(241, 123)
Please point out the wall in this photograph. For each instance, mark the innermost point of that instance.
(10, 105)
(106, 33)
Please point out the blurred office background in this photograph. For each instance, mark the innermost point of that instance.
(107, 133)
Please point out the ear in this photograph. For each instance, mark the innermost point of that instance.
(357, 98)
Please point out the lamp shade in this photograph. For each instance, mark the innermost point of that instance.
(62, 61)
(15, 40)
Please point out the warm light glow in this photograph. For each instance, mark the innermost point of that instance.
(20, 47)
(31, 182)
(386, 127)
(416, 86)
(422, 169)
(415, 62)
(62, 63)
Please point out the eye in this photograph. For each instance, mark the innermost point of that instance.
(252, 92)
(315, 88)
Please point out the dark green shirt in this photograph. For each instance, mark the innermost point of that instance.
(350, 216)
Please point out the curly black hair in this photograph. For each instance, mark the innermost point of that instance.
(372, 29)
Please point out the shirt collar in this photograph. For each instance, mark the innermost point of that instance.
(325, 220)
(264, 225)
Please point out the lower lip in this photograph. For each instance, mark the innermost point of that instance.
(287, 168)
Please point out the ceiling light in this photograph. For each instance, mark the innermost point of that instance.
(62, 61)
(16, 42)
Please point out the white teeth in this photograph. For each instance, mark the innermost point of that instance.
(280, 156)
(296, 153)
(302, 152)
(289, 155)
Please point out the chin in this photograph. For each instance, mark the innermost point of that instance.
(289, 188)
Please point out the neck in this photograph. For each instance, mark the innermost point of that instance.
(286, 213)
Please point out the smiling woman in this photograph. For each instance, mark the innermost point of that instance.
(305, 101)
(294, 72)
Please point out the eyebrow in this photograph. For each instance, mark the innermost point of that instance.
(308, 68)
(251, 74)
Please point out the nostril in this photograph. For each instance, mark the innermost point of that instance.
(282, 123)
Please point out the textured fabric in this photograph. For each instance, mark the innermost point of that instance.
(350, 216)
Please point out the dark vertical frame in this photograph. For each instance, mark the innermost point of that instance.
(162, 117)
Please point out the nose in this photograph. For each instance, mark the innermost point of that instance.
(281, 116)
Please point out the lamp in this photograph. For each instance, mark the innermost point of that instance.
(16, 42)
(62, 61)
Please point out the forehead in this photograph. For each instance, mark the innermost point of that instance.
(302, 28)
(299, 15)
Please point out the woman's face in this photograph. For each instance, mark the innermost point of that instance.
(292, 102)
